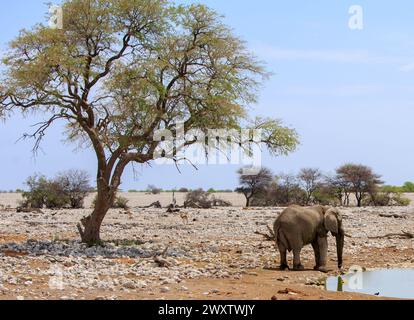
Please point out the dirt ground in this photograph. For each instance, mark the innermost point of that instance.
(216, 256)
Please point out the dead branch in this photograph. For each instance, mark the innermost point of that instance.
(402, 235)
(271, 237)
(161, 260)
(393, 215)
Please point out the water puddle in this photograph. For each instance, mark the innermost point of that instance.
(392, 283)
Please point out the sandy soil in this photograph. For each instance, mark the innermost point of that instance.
(216, 256)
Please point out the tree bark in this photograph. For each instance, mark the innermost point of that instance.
(248, 199)
(90, 227)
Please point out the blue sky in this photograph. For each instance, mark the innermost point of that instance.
(348, 93)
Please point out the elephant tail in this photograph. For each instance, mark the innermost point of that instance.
(281, 238)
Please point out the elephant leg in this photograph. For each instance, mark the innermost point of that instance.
(283, 257)
(297, 265)
(323, 254)
(315, 246)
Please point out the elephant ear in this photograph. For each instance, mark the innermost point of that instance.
(331, 222)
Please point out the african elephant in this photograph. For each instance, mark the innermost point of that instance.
(297, 227)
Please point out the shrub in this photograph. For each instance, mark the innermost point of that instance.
(401, 201)
(221, 203)
(408, 187)
(198, 199)
(120, 203)
(68, 189)
(184, 190)
(34, 198)
(75, 184)
(386, 199)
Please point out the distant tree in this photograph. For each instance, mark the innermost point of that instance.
(289, 190)
(339, 188)
(361, 179)
(153, 190)
(310, 180)
(120, 70)
(251, 185)
(328, 195)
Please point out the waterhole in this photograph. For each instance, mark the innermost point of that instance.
(392, 283)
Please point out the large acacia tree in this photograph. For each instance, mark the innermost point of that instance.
(120, 70)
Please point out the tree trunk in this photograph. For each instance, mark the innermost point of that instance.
(91, 233)
(359, 201)
(248, 202)
(90, 227)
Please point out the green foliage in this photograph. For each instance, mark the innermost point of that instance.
(408, 187)
(386, 199)
(392, 189)
(326, 196)
(44, 193)
(401, 201)
(68, 189)
(182, 62)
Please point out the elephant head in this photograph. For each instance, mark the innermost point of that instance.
(333, 224)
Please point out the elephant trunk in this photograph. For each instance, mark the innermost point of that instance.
(340, 239)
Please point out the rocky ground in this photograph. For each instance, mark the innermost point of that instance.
(217, 255)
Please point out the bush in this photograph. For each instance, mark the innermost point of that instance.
(400, 201)
(120, 203)
(75, 184)
(198, 199)
(68, 189)
(44, 193)
(221, 203)
(184, 190)
(387, 199)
